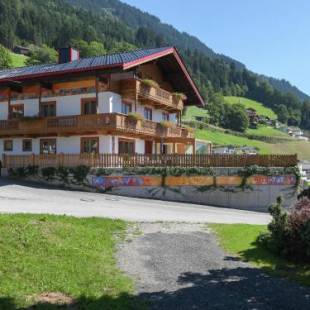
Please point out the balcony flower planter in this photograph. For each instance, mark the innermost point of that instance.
(150, 83)
(167, 124)
(179, 96)
(135, 120)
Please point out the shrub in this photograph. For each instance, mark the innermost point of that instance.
(80, 173)
(289, 233)
(63, 173)
(103, 171)
(48, 173)
(21, 172)
(32, 170)
(299, 228)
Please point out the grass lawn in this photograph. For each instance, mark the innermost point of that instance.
(50, 254)
(248, 103)
(240, 240)
(18, 60)
(221, 138)
(302, 148)
(267, 131)
(192, 111)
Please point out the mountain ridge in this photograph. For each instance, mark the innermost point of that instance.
(127, 13)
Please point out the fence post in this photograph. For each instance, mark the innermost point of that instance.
(4, 163)
(33, 159)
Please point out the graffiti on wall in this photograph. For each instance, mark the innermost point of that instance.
(104, 182)
(273, 180)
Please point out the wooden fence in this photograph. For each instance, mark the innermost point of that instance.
(119, 161)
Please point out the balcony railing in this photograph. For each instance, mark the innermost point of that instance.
(66, 125)
(135, 89)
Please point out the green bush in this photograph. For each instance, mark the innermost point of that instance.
(63, 173)
(80, 173)
(32, 170)
(48, 173)
(289, 232)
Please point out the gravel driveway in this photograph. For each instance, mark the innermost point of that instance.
(181, 266)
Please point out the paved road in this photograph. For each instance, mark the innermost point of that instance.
(180, 267)
(24, 198)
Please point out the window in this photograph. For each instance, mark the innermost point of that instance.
(89, 106)
(48, 109)
(16, 111)
(27, 145)
(126, 146)
(48, 146)
(8, 145)
(126, 108)
(90, 145)
(148, 114)
(166, 116)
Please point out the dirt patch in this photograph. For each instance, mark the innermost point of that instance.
(54, 298)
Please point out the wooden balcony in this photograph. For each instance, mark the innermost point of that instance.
(133, 89)
(110, 123)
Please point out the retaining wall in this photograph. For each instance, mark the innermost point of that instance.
(223, 191)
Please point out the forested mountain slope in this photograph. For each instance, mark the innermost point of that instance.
(118, 26)
(135, 18)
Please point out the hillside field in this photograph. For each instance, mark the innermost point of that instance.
(301, 148)
(248, 103)
(18, 60)
(193, 111)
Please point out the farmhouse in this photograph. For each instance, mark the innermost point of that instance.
(126, 103)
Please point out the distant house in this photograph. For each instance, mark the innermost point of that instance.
(252, 115)
(224, 150)
(21, 50)
(249, 150)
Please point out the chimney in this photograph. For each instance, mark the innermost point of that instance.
(68, 54)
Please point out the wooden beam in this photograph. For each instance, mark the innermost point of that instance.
(46, 85)
(16, 86)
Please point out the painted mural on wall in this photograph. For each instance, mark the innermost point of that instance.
(273, 180)
(105, 182)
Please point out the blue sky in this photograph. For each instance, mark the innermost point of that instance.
(269, 36)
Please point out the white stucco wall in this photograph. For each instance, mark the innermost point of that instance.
(109, 102)
(140, 146)
(69, 145)
(31, 106)
(157, 113)
(4, 111)
(105, 144)
(18, 147)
